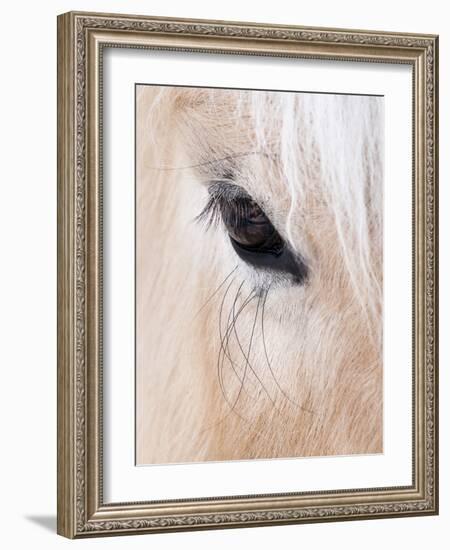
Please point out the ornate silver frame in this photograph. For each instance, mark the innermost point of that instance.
(81, 37)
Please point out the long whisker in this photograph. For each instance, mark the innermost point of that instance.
(232, 410)
(231, 323)
(222, 350)
(219, 373)
(286, 396)
(248, 354)
(216, 291)
(250, 366)
(226, 338)
(209, 162)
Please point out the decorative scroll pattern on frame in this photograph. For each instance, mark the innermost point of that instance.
(258, 32)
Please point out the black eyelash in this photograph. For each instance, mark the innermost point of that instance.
(228, 203)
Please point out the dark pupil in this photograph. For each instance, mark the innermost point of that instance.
(252, 229)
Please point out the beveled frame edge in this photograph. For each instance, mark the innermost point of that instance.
(80, 38)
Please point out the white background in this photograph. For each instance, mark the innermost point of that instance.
(28, 272)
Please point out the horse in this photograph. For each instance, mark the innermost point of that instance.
(259, 274)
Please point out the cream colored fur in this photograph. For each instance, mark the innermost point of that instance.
(314, 164)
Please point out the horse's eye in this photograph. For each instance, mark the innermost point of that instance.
(250, 229)
(252, 235)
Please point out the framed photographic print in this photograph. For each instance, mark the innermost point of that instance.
(247, 276)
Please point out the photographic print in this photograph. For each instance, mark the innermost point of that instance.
(259, 274)
(247, 274)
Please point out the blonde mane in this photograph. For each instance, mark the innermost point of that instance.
(235, 362)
